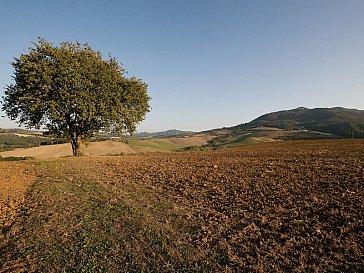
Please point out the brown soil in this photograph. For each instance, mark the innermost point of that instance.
(272, 207)
(15, 180)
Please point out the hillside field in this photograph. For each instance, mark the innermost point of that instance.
(112, 147)
(292, 206)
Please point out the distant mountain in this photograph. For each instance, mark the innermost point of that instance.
(168, 133)
(337, 121)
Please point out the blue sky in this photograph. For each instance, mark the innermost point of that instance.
(208, 63)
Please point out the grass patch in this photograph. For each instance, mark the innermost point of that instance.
(242, 140)
(158, 144)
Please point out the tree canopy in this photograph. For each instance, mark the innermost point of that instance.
(71, 91)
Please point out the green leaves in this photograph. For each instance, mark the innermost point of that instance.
(73, 92)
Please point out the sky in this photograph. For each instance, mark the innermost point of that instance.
(208, 63)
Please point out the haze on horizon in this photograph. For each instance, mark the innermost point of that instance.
(208, 63)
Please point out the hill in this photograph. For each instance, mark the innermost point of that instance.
(299, 123)
(337, 121)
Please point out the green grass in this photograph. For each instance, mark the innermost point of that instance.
(222, 142)
(242, 140)
(159, 144)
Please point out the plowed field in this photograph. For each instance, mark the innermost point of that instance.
(272, 207)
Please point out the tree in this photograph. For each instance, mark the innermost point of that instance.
(72, 92)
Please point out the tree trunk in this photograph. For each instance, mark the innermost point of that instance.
(77, 145)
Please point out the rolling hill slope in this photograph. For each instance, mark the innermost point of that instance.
(300, 123)
(337, 121)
